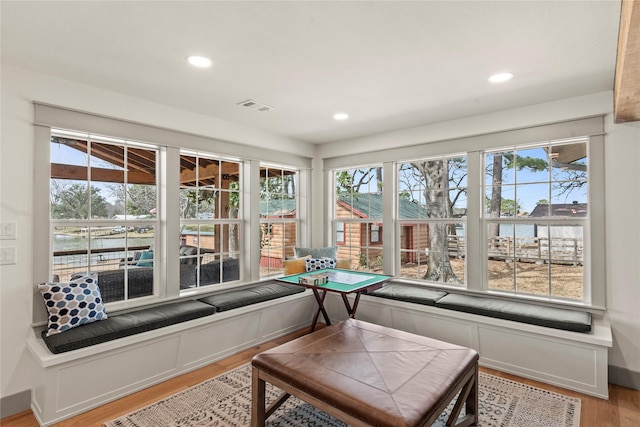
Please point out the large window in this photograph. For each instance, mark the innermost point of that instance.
(358, 217)
(507, 214)
(535, 215)
(103, 197)
(431, 212)
(159, 214)
(209, 220)
(278, 217)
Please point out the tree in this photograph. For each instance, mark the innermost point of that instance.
(233, 208)
(354, 180)
(140, 198)
(508, 207)
(278, 187)
(435, 175)
(500, 163)
(72, 201)
(442, 183)
(496, 196)
(575, 178)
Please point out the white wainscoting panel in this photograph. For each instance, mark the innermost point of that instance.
(70, 383)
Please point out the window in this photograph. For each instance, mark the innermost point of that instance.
(278, 217)
(432, 209)
(153, 211)
(209, 220)
(103, 197)
(374, 233)
(358, 207)
(340, 233)
(535, 217)
(518, 213)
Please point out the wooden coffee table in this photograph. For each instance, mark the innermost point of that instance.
(365, 374)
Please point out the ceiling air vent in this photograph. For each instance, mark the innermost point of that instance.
(250, 103)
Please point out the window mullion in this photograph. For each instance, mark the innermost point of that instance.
(389, 255)
(169, 214)
(476, 233)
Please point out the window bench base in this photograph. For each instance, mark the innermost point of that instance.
(572, 360)
(73, 382)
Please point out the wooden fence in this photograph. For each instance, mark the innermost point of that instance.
(561, 250)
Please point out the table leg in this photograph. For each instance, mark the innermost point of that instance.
(469, 396)
(257, 399)
(472, 399)
(276, 404)
(320, 301)
(351, 309)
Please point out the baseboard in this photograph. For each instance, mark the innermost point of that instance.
(14, 404)
(624, 377)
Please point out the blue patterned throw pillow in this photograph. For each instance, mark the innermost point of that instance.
(319, 263)
(72, 304)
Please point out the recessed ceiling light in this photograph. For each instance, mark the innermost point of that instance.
(341, 116)
(199, 61)
(500, 77)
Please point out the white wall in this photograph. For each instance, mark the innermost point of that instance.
(622, 198)
(622, 186)
(19, 90)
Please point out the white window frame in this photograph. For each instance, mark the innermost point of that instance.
(583, 222)
(359, 222)
(594, 233)
(105, 223)
(223, 223)
(401, 222)
(168, 230)
(267, 223)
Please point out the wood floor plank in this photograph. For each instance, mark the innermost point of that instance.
(621, 410)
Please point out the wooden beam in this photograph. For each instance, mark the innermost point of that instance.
(79, 173)
(210, 172)
(626, 102)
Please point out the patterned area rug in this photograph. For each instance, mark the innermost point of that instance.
(226, 401)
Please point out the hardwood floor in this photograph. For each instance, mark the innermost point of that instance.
(621, 410)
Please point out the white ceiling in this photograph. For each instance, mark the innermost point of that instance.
(389, 64)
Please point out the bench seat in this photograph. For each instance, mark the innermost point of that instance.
(549, 317)
(408, 293)
(72, 382)
(123, 325)
(229, 300)
(147, 319)
(533, 314)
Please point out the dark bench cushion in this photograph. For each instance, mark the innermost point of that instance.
(224, 301)
(123, 325)
(412, 294)
(519, 312)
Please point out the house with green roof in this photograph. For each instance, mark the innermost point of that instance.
(277, 239)
(355, 238)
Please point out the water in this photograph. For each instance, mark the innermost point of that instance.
(64, 242)
(522, 230)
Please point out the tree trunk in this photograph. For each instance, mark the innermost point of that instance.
(379, 179)
(436, 175)
(496, 199)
